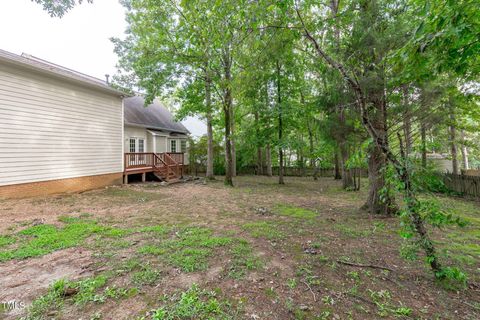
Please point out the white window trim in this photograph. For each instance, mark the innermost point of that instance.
(186, 146)
(171, 145)
(143, 145)
(130, 140)
(137, 144)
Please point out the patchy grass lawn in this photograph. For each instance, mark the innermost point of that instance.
(257, 251)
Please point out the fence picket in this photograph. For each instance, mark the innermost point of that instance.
(465, 185)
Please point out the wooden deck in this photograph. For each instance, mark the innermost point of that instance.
(166, 166)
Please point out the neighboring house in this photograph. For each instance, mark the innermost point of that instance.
(63, 131)
(441, 162)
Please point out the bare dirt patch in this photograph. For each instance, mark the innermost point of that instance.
(25, 280)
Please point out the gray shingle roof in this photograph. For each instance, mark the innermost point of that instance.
(153, 116)
(40, 65)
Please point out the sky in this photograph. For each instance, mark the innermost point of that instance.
(79, 40)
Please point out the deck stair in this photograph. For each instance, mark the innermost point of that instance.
(165, 166)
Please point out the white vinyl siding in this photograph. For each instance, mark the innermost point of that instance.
(51, 129)
(161, 144)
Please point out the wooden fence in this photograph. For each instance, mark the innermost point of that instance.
(462, 184)
(301, 172)
(288, 171)
(291, 171)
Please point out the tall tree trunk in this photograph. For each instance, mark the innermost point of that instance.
(234, 153)
(407, 122)
(280, 128)
(311, 157)
(347, 180)
(464, 151)
(339, 161)
(259, 147)
(453, 143)
(336, 160)
(259, 161)
(227, 106)
(423, 134)
(310, 145)
(377, 202)
(268, 160)
(208, 102)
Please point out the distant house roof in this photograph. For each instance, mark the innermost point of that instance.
(33, 63)
(153, 116)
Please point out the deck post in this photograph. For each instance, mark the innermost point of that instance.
(125, 179)
(144, 177)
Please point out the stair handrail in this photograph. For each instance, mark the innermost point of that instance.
(164, 162)
(175, 163)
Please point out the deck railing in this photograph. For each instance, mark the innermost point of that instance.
(178, 157)
(138, 160)
(149, 160)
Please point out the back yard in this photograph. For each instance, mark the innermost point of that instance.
(196, 251)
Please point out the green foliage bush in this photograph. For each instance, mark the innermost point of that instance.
(428, 179)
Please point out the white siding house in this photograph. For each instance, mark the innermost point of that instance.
(56, 124)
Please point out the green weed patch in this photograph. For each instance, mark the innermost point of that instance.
(90, 290)
(296, 212)
(193, 304)
(189, 249)
(243, 259)
(263, 229)
(42, 239)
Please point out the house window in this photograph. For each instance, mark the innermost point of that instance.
(136, 145)
(183, 145)
(173, 146)
(133, 145)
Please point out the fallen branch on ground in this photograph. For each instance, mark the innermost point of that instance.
(363, 265)
(313, 293)
(360, 298)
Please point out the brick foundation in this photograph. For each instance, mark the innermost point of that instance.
(71, 185)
